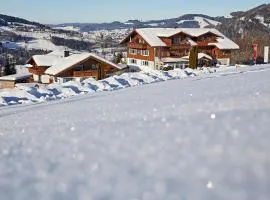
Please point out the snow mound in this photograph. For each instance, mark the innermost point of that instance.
(96, 85)
(27, 93)
(2, 101)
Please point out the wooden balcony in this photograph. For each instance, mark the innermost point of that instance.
(137, 46)
(179, 46)
(86, 73)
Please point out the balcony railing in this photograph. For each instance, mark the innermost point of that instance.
(179, 46)
(137, 46)
(86, 73)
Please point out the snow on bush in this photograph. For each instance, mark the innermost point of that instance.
(25, 93)
(2, 102)
(96, 85)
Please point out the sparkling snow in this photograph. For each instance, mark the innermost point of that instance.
(152, 142)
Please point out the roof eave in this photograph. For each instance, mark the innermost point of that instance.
(127, 37)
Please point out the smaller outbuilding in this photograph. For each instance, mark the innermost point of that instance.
(11, 80)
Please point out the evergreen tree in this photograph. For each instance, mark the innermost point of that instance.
(118, 57)
(193, 58)
(9, 69)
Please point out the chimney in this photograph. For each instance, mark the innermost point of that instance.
(66, 53)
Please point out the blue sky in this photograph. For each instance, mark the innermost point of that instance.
(59, 11)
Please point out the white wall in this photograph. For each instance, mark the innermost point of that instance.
(45, 79)
(266, 54)
(36, 77)
(224, 61)
(139, 63)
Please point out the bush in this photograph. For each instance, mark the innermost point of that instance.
(168, 68)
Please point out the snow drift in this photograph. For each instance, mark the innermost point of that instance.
(23, 93)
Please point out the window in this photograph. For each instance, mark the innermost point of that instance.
(93, 67)
(133, 61)
(78, 68)
(145, 52)
(145, 63)
(176, 40)
(133, 51)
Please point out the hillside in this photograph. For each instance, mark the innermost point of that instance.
(246, 28)
(5, 20)
(259, 17)
(185, 21)
(251, 22)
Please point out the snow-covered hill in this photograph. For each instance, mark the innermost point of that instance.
(185, 21)
(204, 138)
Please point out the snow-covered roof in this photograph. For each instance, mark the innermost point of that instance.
(15, 77)
(191, 42)
(153, 36)
(45, 60)
(224, 42)
(75, 59)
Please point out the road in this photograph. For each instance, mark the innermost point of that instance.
(202, 138)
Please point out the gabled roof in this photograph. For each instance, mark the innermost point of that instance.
(45, 60)
(153, 36)
(73, 60)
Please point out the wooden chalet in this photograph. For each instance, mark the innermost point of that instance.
(57, 68)
(152, 47)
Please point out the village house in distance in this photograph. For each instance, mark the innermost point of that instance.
(157, 47)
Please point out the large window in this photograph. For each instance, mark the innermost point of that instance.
(133, 51)
(145, 52)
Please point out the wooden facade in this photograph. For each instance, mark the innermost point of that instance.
(177, 46)
(12, 83)
(35, 69)
(7, 84)
(138, 43)
(88, 68)
(91, 66)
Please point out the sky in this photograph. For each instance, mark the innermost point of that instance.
(96, 11)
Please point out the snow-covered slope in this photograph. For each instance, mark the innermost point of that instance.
(203, 138)
(201, 21)
(67, 28)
